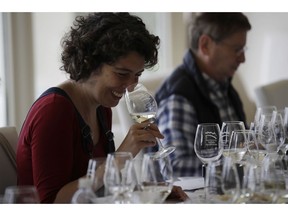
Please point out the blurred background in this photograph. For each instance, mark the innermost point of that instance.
(30, 57)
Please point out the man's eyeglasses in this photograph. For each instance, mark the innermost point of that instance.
(236, 49)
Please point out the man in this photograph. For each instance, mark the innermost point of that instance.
(200, 89)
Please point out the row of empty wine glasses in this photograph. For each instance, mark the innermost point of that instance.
(232, 140)
(128, 180)
(269, 129)
(269, 132)
(224, 141)
(224, 183)
(243, 150)
(150, 182)
(262, 177)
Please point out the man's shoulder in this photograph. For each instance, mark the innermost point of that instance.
(176, 84)
(183, 74)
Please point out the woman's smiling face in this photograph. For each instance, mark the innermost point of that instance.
(109, 84)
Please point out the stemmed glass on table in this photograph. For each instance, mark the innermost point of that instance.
(238, 146)
(155, 179)
(225, 133)
(263, 184)
(279, 130)
(260, 111)
(95, 172)
(206, 144)
(143, 107)
(222, 181)
(119, 177)
(266, 135)
(21, 194)
(285, 123)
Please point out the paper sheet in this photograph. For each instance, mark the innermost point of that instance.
(190, 183)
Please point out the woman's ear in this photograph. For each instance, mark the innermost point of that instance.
(204, 44)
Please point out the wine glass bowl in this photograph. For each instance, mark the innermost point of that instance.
(238, 145)
(222, 181)
(140, 103)
(225, 133)
(21, 194)
(278, 129)
(266, 135)
(156, 178)
(262, 110)
(206, 144)
(119, 178)
(142, 107)
(285, 123)
(95, 172)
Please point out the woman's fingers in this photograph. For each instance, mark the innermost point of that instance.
(152, 128)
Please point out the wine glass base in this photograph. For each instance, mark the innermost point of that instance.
(164, 152)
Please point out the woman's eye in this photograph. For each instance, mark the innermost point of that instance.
(124, 74)
(121, 74)
(139, 74)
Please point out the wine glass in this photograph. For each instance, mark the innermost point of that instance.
(95, 172)
(21, 194)
(278, 129)
(266, 135)
(262, 110)
(119, 178)
(272, 179)
(226, 131)
(156, 178)
(142, 106)
(238, 146)
(206, 144)
(222, 181)
(285, 122)
(256, 152)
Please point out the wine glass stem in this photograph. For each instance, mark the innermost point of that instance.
(153, 120)
(159, 144)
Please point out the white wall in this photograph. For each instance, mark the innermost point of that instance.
(266, 57)
(269, 45)
(48, 29)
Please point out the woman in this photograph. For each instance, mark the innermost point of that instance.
(70, 123)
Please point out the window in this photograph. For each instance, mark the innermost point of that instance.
(3, 111)
(160, 25)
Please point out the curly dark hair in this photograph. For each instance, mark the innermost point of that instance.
(102, 38)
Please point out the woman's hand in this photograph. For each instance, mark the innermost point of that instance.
(140, 135)
(177, 194)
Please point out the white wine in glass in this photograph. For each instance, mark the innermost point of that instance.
(238, 145)
(226, 131)
(141, 117)
(142, 107)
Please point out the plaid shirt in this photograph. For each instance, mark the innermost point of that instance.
(177, 120)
